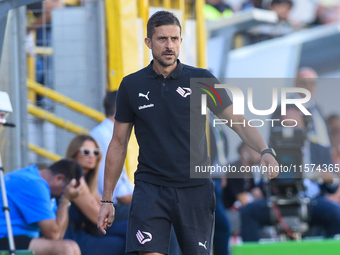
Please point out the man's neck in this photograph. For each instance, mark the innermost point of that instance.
(164, 70)
(45, 174)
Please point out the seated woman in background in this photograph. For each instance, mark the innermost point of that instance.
(85, 208)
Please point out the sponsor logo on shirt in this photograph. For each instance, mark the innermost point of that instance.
(184, 92)
(146, 95)
(145, 106)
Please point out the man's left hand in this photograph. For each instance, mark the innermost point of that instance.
(270, 162)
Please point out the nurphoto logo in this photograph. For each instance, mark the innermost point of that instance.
(239, 99)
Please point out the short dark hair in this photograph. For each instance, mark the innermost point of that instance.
(161, 18)
(110, 103)
(68, 167)
(281, 2)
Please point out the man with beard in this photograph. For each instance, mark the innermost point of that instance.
(156, 101)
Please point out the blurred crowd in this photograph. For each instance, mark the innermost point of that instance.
(293, 11)
(292, 15)
(244, 199)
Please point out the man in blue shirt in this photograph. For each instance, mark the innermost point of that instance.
(29, 193)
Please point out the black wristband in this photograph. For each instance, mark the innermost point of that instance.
(106, 201)
(270, 151)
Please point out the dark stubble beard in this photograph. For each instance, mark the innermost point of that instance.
(162, 63)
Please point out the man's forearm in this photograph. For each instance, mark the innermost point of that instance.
(250, 135)
(62, 217)
(114, 164)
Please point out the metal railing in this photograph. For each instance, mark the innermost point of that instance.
(57, 97)
(60, 122)
(43, 152)
(35, 89)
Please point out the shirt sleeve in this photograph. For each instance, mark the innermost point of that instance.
(223, 99)
(34, 201)
(124, 112)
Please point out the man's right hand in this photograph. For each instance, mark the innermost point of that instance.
(105, 216)
(72, 190)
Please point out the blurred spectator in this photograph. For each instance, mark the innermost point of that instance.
(333, 125)
(85, 208)
(41, 24)
(327, 14)
(307, 79)
(42, 17)
(102, 134)
(215, 9)
(322, 212)
(218, 155)
(29, 193)
(269, 31)
(316, 130)
(282, 8)
(251, 4)
(241, 191)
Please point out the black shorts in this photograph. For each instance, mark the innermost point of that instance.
(21, 242)
(191, 211)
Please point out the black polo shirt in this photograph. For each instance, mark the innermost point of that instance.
(160, 111)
